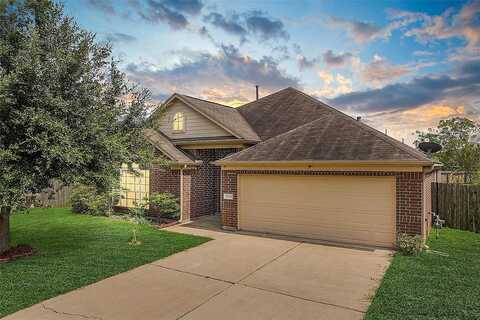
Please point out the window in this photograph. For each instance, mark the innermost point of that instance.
(178, 122)
(134, 186)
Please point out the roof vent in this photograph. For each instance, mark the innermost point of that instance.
(359, 118)
(256, 91)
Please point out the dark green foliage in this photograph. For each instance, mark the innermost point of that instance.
(458, 152)
(72, 251)
(87, 200)
(166, 203)
(443, 284)
(66, 111)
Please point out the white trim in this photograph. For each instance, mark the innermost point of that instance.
(181, 195)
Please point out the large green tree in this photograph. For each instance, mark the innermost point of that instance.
(66, 111)
(458, 152)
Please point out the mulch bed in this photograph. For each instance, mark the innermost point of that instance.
(161, 222)
(167, 224)
(22, 250)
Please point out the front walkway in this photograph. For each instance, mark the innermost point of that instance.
(234, 276)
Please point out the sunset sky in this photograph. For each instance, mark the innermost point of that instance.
(401, 65)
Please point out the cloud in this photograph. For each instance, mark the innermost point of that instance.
(336, 60)
(192, 7)
(264, 27)
(230, 24)
(379, 71)
(103, 5)
(172, 12)
(463, 84)
(116, 37)
(403, 124)
(465, 24)
(363, 32)
(254, 23)
(334, 84)
(232, 75)
(304, 63)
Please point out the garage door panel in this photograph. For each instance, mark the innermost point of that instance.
(336, 208)
(314, 224)
(361, 235)
(310, 215)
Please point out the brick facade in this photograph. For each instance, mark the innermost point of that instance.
(165, 180)
(205, 192)
(201, 184)
(427, 201)
(409, 194)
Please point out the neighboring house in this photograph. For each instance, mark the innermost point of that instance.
(290, 164)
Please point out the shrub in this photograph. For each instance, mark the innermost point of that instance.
(409, 245)
(87, 200)
(166, 203)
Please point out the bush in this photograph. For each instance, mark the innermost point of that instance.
(409, 245)
(87, 200)
(166, 203)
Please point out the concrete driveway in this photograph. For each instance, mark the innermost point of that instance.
(234, 276)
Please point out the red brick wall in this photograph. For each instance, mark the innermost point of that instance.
(165, 180)
(427, 200)
(187, 194)
(409, 210)
(205, 183)
(201, 185)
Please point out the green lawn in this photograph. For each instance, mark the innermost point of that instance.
(75, 250)
(431, 286)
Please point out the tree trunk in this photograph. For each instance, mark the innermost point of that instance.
(4, 229)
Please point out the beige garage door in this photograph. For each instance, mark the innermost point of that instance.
(349, 209)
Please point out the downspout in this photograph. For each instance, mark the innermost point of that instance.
(181, 193)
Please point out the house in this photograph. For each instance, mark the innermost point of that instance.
(290, 164)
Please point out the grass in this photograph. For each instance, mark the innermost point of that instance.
(432, 286)
(73, 250)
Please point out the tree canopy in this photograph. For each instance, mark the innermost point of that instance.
(66, 110)
(458, 152)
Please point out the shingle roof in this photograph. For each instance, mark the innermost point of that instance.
(162, 143)
(331, 136)
(228, 117)
(282, 111)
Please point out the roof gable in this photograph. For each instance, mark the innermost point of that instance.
(225, 117)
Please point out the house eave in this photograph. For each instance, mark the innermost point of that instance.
(320, 163)
(212, 141)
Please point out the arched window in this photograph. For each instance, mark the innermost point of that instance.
(178, 122)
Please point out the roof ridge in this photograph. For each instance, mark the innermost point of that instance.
(377, 133)
(219, 104)
(277, 136)
(269, 95)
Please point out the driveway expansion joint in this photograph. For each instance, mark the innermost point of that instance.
(193, 274)
(304, 299)
(270, 261)
(69, 314)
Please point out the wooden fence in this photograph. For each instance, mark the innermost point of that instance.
(58, 196)
(457, 204)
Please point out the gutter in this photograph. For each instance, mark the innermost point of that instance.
(324, 162)
(213, 141)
